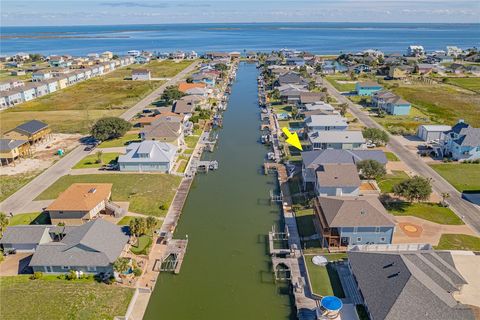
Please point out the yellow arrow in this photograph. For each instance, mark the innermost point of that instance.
(292, 138)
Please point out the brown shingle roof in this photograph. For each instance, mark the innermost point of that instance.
(338, 175)
(81, 197)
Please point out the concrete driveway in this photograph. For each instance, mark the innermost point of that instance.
(15, 264)
(467, 265)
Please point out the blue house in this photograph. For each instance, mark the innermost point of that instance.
(148, 156)
(390, 103)
(367, 88)
(462, 142)
(208, 79)
(344, 221)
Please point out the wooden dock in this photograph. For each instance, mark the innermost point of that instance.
(175, 210)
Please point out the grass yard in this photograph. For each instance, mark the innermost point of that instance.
(90, 161)
(388, 181)
(428, 211)
(465, 177)
(52, 298)
(471, 83)
(458, 242)
(191, 141)
(305, 224)
(149, 194)
(443, 103)
(11, 184)
(125, 221)
(29, 218)
(183, 166)
(166, 68)
(324, 280)
(142, 246)
(120, 142)
(339, 83)
(391, 156)
(403, 124)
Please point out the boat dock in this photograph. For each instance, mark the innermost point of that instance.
(173, 257)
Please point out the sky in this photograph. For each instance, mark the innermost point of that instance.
(108, 12)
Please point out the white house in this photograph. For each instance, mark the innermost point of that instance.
(41, 75)
(345, 140)
(28, 92)
(41, 89)
(326, 123)
(141, 74)
(430, 132)
(148, 155)
(415, 51)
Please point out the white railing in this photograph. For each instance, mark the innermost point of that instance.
(390, 247)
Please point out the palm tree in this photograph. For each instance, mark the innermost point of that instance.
(121, 265)
(3, 222)
(445, 196)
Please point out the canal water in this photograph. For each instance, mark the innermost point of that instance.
(227, 273)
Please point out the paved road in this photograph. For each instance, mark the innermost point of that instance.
(19, 201)
(466, 210)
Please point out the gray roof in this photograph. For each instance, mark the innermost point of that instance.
(95, 243)
(326, 120)
(362, 211)
(311, 97)
(6, 145)
(182, 107)
(312, 159)
(24, 234)
(163, 128)
(338, 175)
(409, 285)
(469, 137)
(337, 137)
(31, 127)
(291, 77)
(157, 151)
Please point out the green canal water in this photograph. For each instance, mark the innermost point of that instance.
(227, 273)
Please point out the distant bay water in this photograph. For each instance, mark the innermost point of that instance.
(320, 38)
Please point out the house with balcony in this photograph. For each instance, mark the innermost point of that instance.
(462, 142)
(345, 139)
(11, 150)
(391, 103)
(32, 131)
(326, 123)
(344, 221)
(367, 88)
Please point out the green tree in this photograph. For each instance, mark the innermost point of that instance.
(151, 222)
(3, 223)
(275, 94)
(35, 57)
(377, 136)
(99, 155)
(311, 85)
(121, 265)
(110, 128)
(414, 189)
(171, 93)
(371, 169)
(294, 112)
(221, 67)
(343, 109)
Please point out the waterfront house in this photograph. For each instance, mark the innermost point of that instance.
(345, 140)
(90, 248)
(409, 285)
(415, 51)
(291, 95)
(390, 103)
(318, 105)
(79, 203)
(141, 74)
(28, 92)
(56, 61)
(337, 180)
(295, 61)
(197, 101)
(10, 150)
(291, 78)
(344, 221)
(148, 156)
(367, 88)
(183, 107)
(207, 78)
(326, 123)
(41, 75)
(311, 97)
(462, 142)
(142, 59)
(167, 129)
(185, 86)
(312, 160)
(430, 132)
(33, 131)
(273, 60)
(25, 238)
(424, 68)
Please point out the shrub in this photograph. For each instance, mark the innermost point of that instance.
(137, 272)
(36, 275)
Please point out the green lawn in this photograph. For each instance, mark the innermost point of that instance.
(443, 103)
(149, 194)
(324, 280)
(166, 68)
(191, 141)
(125, 221)
(11, 184)
(305, 224)
(120, 142)
(403, 124)
(90, 161)
(29, 218)
(182, 166)
(428, 211)
(458, 242)
(391, 156)
(52, 298)
(386, 183)
(334, 80)
(142, 246)
(471, 83)
(463, 176)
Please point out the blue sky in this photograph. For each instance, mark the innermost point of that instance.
(88, 12)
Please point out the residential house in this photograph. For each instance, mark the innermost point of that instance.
(41, 75)
(424, 68)
(367, 88)
(107, 55)
(32, 131)
(28, 92)
(430, 132)
(177, 55)
(346, 221)
(142, 59)
(312, 160)
(52, 85)
(444, 58)
(291, 78)
(252, 55)
(326, 123)
(148, 156)
(409, 285)
(10, 150)
(80, 203)
(141, 74)
(184, 108)
(57, 61)
(208, 79)
(90, 248)
(311, 97)
(25, 238)
(462, 142)
(337, 180)
(41, 89)
(62, 82)
(454, 51)
(399, 72)
(415, 51)
(291, 96)
(11, 97)
(168, 129)
(346, 140)
(391, 103)
(295, 61)
(197, 101)
(185, 86)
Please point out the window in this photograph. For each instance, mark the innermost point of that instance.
(91, 268)
(355, 229)
(65, 267)
(359, 239)
(377, 229)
